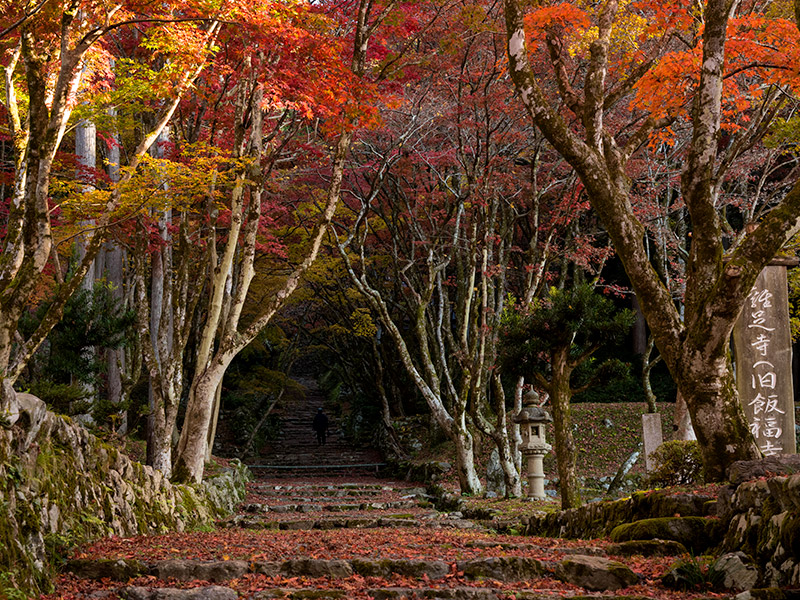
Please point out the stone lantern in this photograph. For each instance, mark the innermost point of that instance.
(532, 420)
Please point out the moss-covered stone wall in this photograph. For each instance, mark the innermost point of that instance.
(600, 518)
(60, 485)
(760, 517)
(763, 520)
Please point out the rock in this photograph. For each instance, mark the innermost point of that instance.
(686, 575)
(510, 568)
(607, 423)
(397, 522)
(32, 412)
(9, 405)
(595, 573)
(495, 479)
(439, 467)
(698, 534)
(418, 492)
(653, 547)
(331, 524)
(459, 593)
(735, 571)
(585, 550)
(296, 525)
(118, 570)
(433, 569)
(772, 593)
(361, 523)
(308, 567)
(72, 484)
(270, 568)
(188, 570)
(213, 592)
(780, 464)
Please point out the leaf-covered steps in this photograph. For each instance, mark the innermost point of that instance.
(589, 572)
(335, 505)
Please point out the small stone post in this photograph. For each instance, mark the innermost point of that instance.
(532, 420)
(653, 438)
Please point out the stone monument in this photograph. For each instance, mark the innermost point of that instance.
(763, 350)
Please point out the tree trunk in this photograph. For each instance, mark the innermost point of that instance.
(468, 479)
(159, 449)
(193, 443)
(113, 259)
(386, 412)
(682, 421)
(505, 448)
(647, 368)
(212, 428)
(710, 390)
(560, 396)
(516, 436)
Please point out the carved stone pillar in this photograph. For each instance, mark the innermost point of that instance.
(763, 349)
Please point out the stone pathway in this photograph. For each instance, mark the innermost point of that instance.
(361, 539)
(342, 534)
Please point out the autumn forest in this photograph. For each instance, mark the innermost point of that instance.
(444, 202)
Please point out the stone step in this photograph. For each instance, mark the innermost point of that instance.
(426, 520)
(268, 490)
(500, 569)
(309, 593)
(592, 573)
(211, 592)
(310, 506)
(296, 472)
(458, 593)
(329, 487)
(343, 522)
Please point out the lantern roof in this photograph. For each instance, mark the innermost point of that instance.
(533, 414)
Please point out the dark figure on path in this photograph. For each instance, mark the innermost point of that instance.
(320, 425)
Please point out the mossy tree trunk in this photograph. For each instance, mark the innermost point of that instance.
(560, 395)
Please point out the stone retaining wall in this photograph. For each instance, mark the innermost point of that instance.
(759, 514)
(599, 518)
(763, 519)
(60, 485)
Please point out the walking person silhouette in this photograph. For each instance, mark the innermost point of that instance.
(320, 426)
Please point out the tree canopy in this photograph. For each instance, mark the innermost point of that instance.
(435, 159)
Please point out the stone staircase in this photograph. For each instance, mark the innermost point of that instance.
(344, 535)
(296, 452)
(358, 538)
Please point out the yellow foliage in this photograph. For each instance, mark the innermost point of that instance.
(363, 325)
(626, 35)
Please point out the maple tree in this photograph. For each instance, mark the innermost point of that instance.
(140, 67)
(663, 62)
(49, 51)
(456, 201)
(222, 337)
